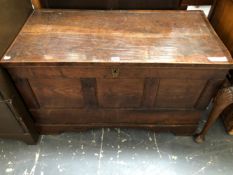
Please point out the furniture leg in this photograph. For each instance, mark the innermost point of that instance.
(223, 99)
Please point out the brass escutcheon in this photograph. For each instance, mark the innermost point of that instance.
(115, 72)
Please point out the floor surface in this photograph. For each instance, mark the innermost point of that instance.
(119, 152)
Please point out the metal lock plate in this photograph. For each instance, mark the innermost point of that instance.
(115, 72)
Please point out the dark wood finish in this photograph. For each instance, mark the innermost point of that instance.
(181, 130)
(26, 91)
(223, 99)
(175, 93)
(208, 92)
(185, 3)
(85, 69)
(228, 119)
(150, 91)
(138, 116)
(16, 122)
(222, 21)
(89, 92)
(112, 4)
(197, 2)
(121, 4)
(89, 40)
(13, 15)
(47, 92)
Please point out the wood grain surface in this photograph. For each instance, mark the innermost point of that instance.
(85, 69)
(166, 37)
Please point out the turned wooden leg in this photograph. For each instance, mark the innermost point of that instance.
(223, 99)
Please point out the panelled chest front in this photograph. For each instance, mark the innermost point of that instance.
(84, 69)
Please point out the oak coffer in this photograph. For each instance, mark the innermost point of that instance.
(85, 69)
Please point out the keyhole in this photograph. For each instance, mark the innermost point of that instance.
(115, 72)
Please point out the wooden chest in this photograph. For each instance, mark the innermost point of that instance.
(85, 69)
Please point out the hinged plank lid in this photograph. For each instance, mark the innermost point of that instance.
(137, 37)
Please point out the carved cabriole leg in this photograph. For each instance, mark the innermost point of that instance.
(230, 132)
(227, 117)
(223, 99)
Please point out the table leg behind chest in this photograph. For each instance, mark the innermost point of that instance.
(223, 99)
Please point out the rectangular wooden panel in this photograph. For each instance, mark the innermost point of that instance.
(89, 92)
(149, 92)
(117, 93)
(58, 92)
(176, 93)
(27, 93)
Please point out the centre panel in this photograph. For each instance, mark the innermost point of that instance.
(120, 93)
